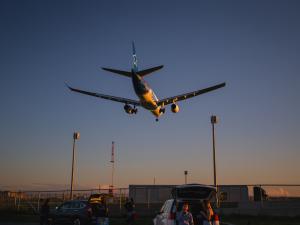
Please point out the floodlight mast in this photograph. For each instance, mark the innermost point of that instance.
(76, 136)
(185, 176)
(112, 166)
(214, 119)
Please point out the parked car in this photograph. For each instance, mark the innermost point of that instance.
(76, 212)
(193, 194)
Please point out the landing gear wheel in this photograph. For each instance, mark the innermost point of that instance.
(162, 110)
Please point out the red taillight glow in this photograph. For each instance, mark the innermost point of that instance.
(216, 217)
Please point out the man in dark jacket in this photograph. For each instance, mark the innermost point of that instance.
(44, 213)
(129, 206)
(100, 211)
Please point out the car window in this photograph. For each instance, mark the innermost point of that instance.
(82, 205)
(75, 205)
(66, 205)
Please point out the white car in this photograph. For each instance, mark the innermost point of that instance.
(193, 194)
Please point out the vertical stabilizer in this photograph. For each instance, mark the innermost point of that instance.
(134, 64)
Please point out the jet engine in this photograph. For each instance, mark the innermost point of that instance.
(174, 108)
(128, 109)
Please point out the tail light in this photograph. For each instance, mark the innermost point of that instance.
(216, 217)
(172, 216)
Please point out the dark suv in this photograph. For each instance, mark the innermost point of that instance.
(75, 212)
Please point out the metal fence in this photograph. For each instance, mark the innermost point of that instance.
(31, 200)
(252, 199)
(264, 199)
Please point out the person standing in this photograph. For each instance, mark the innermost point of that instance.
(130, 206)
(207, 212)
(185, 217)
(44, 213)
(100, 212)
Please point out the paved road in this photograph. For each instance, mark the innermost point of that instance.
(8, 223)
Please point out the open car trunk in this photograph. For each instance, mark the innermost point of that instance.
(193, 192)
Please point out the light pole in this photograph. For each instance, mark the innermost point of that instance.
(76, 136)
(111, 187)
(185, 176)
(214, 120)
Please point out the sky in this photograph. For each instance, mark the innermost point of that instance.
(253, 46)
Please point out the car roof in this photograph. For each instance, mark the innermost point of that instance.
(76, 200)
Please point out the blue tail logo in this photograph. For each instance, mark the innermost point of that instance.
(134, 65)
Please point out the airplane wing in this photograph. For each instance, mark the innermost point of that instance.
(108, 97)
(177, 98)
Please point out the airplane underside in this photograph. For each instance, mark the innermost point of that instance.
(147, 98)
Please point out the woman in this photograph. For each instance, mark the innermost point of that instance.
(207, 212)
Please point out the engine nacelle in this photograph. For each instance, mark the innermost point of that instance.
(128, 109)
(174, 108)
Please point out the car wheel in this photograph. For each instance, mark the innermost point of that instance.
(76, 221)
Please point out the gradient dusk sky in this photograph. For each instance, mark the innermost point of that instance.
(253, 46)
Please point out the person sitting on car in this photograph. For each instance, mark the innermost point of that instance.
(185, 217)
(207, 212)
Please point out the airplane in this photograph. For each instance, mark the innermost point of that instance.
(147, 97)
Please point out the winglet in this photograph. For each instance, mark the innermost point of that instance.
(69, 87)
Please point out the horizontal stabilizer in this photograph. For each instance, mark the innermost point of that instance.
(150, 70)
(124, 73)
